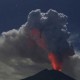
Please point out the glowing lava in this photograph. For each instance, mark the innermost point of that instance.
(56, 65)
(38, 38)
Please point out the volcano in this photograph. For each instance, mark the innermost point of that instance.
(49, 75)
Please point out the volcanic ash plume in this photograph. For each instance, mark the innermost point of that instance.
(51, 28)
(43, 36)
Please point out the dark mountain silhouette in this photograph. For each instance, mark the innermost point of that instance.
(49, 75)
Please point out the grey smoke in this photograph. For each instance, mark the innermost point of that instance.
(19, 50)
(53, 26)
(72, 66)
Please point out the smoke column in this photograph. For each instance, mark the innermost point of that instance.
(49, 31)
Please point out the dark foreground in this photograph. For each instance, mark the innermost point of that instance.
(49, 75)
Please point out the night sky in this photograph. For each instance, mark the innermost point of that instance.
(13, 13)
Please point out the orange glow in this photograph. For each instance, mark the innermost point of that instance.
(39, 40)
(54, 62)
(56, 65)
(35, 32)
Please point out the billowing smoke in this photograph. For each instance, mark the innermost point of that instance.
(51, 28)
(20, 48)
(52, 25)
(72, 66)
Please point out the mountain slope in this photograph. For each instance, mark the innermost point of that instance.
(49, 75)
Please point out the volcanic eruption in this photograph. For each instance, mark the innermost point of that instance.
(49, 31)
